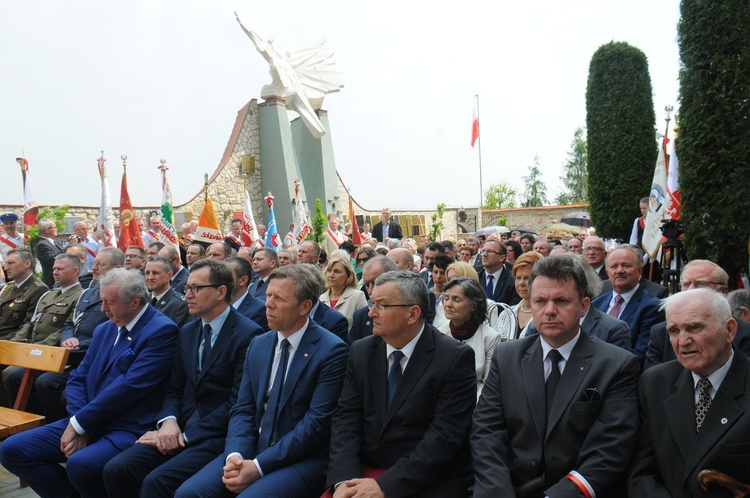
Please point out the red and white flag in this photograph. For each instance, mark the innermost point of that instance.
(250, 236)
(30, 207)
(474, 126)
(301, 226)
(106, 222)
(356, 235)
(673, 184)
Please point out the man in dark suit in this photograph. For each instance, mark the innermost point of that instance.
(697, 274)
(206, 376)
(112, 396)
(495, 277)
(47, 248)
(405, 410)
(652, 288)
(77, 334)
(265, 260)
(628, 301)
(386, 228)
(362, 323)
(277, 443)
(163, 297)
(245, 303)
(594, 253)
(694, 410)
(179, 272)
(558, 414)
(430, 253)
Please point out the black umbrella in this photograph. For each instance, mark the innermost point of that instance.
(577, 219)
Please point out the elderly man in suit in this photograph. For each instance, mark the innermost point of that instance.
(245, 303)
(47, 248)
(495, 277)
(402, 426)
(558, 414)
(628, 301)
(386, 228)
(694, 411)
(192, 424)
(277, 442)
(362, 323)
(594, 253)
(697, 274)
(163, 297)
(112, 396)
(179, 272)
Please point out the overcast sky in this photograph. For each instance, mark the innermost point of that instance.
(160, 79)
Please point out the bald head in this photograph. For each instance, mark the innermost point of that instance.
(402, 257)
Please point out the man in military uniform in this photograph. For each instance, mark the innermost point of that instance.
(12, 238)
(19, 298)
(76, 336)
(163, 297)
(51, 312)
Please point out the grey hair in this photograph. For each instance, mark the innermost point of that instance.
(410, 286)
(116, 256)
(130, 284)
(317, 273)
(44, 224)
(166, 266)
(739, 298)
(594, 287)
(714, 302)
(74, 260)
(719, 274)
(24, 254)
(171, 252)
(562, 268)
(384, 262)
(306, 283)
(627, 247)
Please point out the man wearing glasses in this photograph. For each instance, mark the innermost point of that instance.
(698, 274)
(135, 259)
(594, 254)
(404, 414)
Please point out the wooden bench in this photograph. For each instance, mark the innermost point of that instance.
(33, 358)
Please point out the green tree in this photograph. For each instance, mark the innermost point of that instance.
(714, 142)
(500, 195)
(575, 175)
(437, 225)
(535, 191)
(319, 223)
(620, 126)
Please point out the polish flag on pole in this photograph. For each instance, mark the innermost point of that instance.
(105, 225)
(673, 184)
(30, 207)
(474, 126)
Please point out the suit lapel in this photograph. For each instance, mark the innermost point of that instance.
(305, 352)
(418, 363)
(589, 323)
(723, 413)
(379, 378)
(681, 408)
(225, 334)
(532, 370)
(267, 351)
(632, 306)
(576, 369)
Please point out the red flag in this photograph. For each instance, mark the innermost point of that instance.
(356, 236)
(673, 184)
(474, 126)
(30, 208)
(130, 235)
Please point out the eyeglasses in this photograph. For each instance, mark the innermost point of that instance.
(131, 256)
(380, 307)
(487, 251)
(700, 284)
(593, 249)
(194, 289)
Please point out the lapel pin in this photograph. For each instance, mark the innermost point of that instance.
(724, 421)
(305, 355)
(128, 338)
(581, 368)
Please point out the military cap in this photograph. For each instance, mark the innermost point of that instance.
(8, 217)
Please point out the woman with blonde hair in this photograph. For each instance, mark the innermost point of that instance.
(513, 321)
(342, 294)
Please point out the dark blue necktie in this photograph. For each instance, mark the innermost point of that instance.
(206, 344)
(394, 375)
(268, 426)
(489, 287)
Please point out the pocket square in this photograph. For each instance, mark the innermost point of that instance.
(128, 352)
(591, 394)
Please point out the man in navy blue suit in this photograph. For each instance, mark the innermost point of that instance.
(245, 303)
(277, 443)
(206, 376)
(628, 301)
(113, 396)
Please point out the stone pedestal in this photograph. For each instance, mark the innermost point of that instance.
(317, 165)
(280, 167)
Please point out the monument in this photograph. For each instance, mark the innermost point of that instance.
(302, 149)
